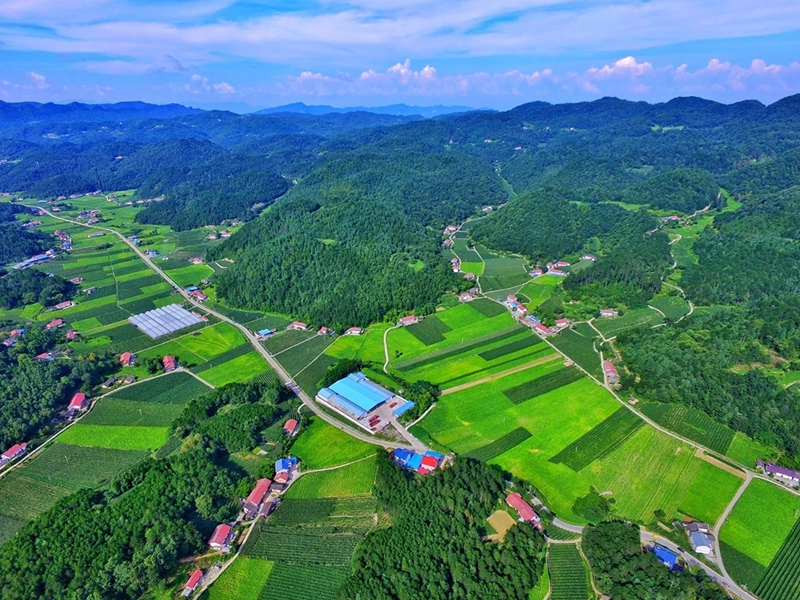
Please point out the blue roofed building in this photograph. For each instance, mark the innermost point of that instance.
(354, 396)
(403, 408)
(283, 464)
(415, 462)
(401, 456)
(666, 556)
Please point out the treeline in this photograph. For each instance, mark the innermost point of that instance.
(33, 391)
(434, 547)
(17, 243)
(713, 361)
(121, 543)
(684, 190)
(20, 288)
(624, 571)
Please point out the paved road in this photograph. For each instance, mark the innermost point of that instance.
(413, 443)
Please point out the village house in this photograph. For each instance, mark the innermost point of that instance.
(781, 473)
(325, 331)
(253, 502)
(283, 470)
(466, 297)
(299, 325)
(450, 229)
(48, 356)
(127, 359)
(667, 557)
(700, 537)
(354, 331)
(54, 324)
(15, 451)
(469, 276)
(290, 427)
(199, 295)
(263, 334)
(221, 538)
(194, 582)
(63, 305)
(556, 272)
(590, 257)
(562, 263)
(490, 208)
(524, 510)
(224, 234)
(78, 402)
(536, 273)
(108, 383)
(76, 280)
(72, 334)
(562, 323)
(448, 243)
(609, 312)
(542, 329)
(196, 260)
(170, 363)
(611, 372)
(9, 342)
(408, 320)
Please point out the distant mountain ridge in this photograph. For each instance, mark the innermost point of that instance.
(403, 110)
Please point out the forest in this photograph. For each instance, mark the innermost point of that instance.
(33, 391)
(624, 571)
(433, 548)
(24, 287)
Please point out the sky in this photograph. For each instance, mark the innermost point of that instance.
(480, 53)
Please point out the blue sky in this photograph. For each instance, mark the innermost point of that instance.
(482, 53)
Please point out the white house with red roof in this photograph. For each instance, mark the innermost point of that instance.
(170, 363)
(609, 312)
(55, 323)
(556, 272)
(299, 325)
(127, 359)
(72, 334)
(63, 305)
(193, 583)
(561, 323)
(542, 329)
(611, 372)
(221, 538)
(408, 320)
(253, 502)
(290, 427)
(196, 260)
(78, 402)
(466, 297)
(354, 331)
(562, 263)
(524, 510)
(15, 451)
(537, 272)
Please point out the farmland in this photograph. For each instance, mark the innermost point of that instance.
(578, 343)
(306, 582)
(542, 385)
(351, 480)
(296, 358)
(692, 424)
(430, 331)
(600, 441)
(637, 317)
(674, 307)
(568, 575)
(114, 411)
(759, 523)
(119, 437)
(176, 388)
(322, 445)
(782, 579)
(242, 580)
(240, 369)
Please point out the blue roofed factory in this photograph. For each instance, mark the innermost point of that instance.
(363, 401)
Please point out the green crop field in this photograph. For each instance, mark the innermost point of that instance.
(761, 521)
(459, 316)
(637, 317)
(782, 579)
(311, 375)
(578, 343)
(322, 445)
(243, 580)
(542, 385)
(176, 388)
(282, 340)
(352, 480)
(172, 347)
(240, 369)
(113, 411)
(703, 506)
(298, 358)
(190, 274)
(538, 290)
(430, 330)
(691, 423)
(500, 445)
(568, 575)
(119, 437)
(226, 356)
(600, 441)
(212, 341)
(491, 284)
(520, 344)
(674, 307)
(488, 308)
(746, 450)
(465, 252)
(305, 582)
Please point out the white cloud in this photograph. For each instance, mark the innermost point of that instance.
(39, 80)
(224, 88)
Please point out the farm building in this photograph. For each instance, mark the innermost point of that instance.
(297, 325)
(609, 312)
(63, 305)
(78, 402)
(194, 581)
(15, 451)
(253, 502)
(408, 320)
(524, 510)
(221, 538)
(355, 395)
(666, 556)
(354, 331)
(54, 324)
(127, 359)
(290, 427)
(782, 473)
(163, 321)
(264, 333)
(170, 363)
(109, 382)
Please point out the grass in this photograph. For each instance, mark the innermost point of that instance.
(542, 385)
(322, 445)
(691, 423)
(113, 411)
(578, 343)
(782, 579)
(241, 369)
(761, 521)
(746, 450)
(542, 589)
(637, 317)
(243, 580)
(568, 575)
(500, 445)
(600, 441)
(741, 567)
(352, 480)
(176, 388)
(119, 437)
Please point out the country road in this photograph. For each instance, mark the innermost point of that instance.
(413, 443)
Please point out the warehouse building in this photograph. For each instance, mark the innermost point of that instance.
(361, 401)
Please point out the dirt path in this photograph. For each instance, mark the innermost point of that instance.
(701, 454)
(386, 348)
(469, 384)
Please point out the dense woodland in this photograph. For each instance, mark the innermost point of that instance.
(23, 287)
(33, 391)
(623, 571)
(433, 549)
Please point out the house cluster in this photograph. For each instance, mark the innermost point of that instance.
(114, 380)
(34, 260)
(28, 224)
(456, 264)
(546, 331)
(556, 268)
(450, 229)
(196, 293)
(468, 296)
(610, 371)
(783, 474)
(518, 309)
(258, 502)
(92, 215)
(525, 511)
(670, 218)
(285, 471)
(11, 340)
(134, 239)
(414, 461)
(16, 451)
(700, 537)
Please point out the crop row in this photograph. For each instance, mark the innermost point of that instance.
(567, 573)
(430, 330)
(296, 546)
(500, 445)
(511, 347)
(305, 582)
(542, 385)
(782, 579)
(691, 423)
